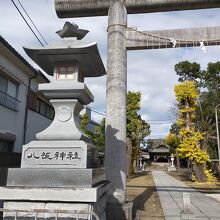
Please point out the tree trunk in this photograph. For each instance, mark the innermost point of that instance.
(136, 154)
(205, 142)
(199, 172)
(129, 155)
(177, 162)
(135, 164)
(188, 124)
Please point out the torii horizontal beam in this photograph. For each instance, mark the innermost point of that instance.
(86, 8)
(138, 40)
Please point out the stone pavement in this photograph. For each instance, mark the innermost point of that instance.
(171, 192)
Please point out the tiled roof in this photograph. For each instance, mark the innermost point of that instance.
(159, 146)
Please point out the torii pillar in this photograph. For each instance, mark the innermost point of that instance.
(116, 95)
(118, 43)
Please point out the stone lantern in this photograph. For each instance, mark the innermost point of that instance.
(68, 61)
(172, 167)
(62, 158)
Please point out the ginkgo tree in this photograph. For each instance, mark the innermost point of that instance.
(208, 82)
(190, 137)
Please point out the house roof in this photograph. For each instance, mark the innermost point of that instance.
(157, 142)
(23, 60)
(159, 146)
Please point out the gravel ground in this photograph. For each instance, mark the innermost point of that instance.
(142, 191)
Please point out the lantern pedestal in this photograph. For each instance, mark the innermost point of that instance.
(55, 200)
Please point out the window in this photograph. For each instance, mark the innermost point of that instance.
(6, 146)
(8, 93)
(12, 89)
(38, 105)
(81, 77)
(44, 109)
(32, 100)
(3, 84)
(8, 87)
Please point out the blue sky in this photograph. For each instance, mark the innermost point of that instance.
(149, 71)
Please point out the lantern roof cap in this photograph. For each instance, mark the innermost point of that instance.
(70, 50)
(72, 30)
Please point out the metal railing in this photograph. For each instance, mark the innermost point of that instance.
(9, 101)
(36, 214)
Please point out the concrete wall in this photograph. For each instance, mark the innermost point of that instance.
(7, 120)
(35, 124)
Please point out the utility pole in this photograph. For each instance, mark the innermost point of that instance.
(218, 141)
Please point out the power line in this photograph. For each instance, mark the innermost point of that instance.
(27, 23)
(159, 123)
(32, 21)
(149, 122)
(156, 137)
(52, 14)
(159, 120)
(96, 111)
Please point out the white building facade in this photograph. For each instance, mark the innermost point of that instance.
(23, 110)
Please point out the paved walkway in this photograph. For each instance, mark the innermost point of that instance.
(171, 192)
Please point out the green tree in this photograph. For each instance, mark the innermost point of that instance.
(147, 143)
(98, 136)
(173, 141)
(84, 121)
(137, 129)
(205, 120)
(212, 77)
(174, 129)
(188, 71)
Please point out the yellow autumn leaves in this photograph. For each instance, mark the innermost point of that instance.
(188, 140)
(186, 91)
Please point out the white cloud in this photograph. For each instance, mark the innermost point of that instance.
(150, 72)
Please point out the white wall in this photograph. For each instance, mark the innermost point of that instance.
(35, 124)
(20, 118)
(13, 69)
(12, 121)
(7, 120)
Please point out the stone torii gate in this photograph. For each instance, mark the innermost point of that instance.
(120, 39)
